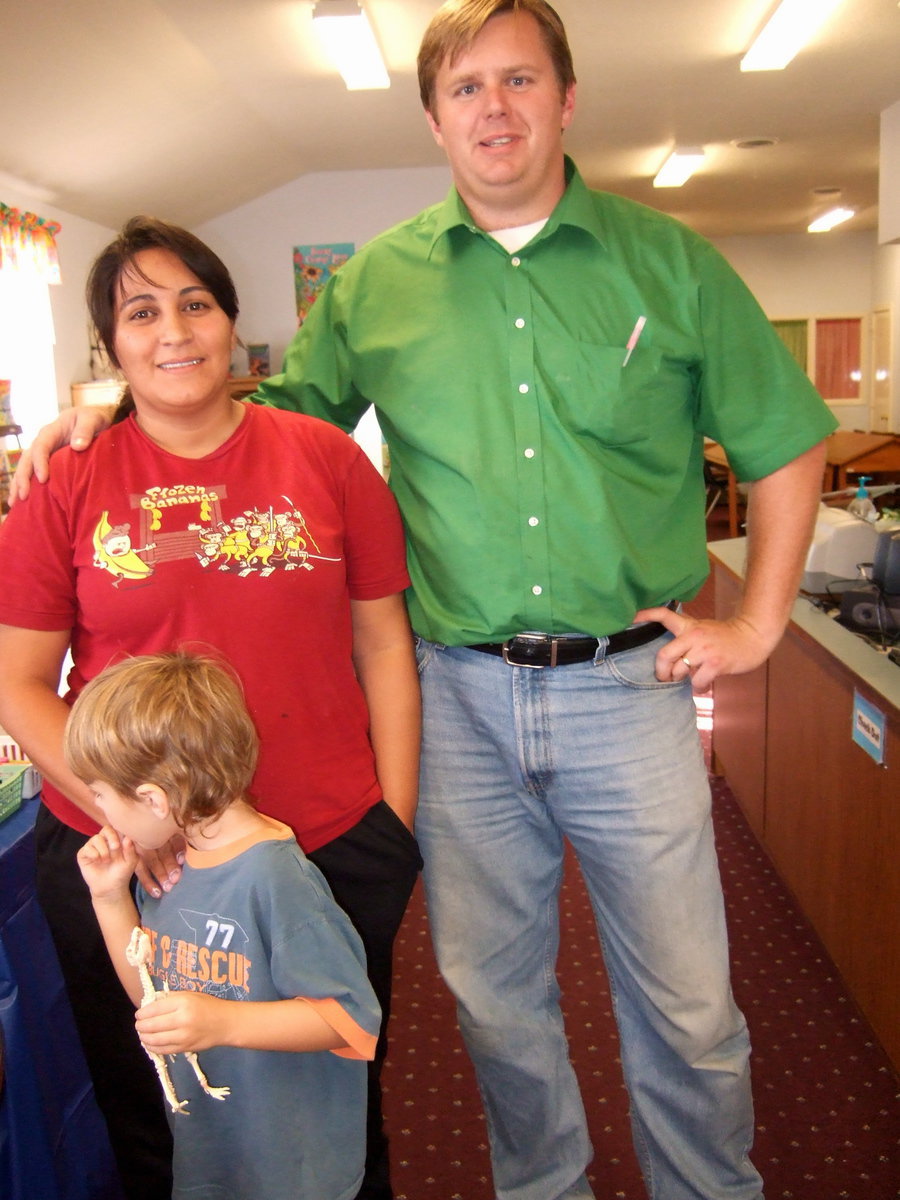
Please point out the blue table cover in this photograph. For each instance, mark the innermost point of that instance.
(53, 1141)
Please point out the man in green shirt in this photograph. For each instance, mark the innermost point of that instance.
(545, 362)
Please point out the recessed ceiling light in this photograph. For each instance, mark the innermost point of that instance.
(754, 143)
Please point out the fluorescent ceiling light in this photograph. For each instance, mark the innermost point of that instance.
(346, 35)
(834, 216)
(788, 29)
(679, 167)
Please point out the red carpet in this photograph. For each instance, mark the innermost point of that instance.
(827, 1104)
(827, 1100)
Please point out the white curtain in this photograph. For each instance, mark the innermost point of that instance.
(28, 267)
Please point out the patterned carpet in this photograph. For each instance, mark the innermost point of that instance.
(827, 1100)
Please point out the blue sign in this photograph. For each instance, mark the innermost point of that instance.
(869, 728)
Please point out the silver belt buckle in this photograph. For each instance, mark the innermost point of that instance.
(540, 639)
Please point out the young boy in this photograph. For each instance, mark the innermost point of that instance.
(260, 961)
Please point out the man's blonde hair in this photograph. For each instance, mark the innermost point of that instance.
(457, 23)
(176, 720)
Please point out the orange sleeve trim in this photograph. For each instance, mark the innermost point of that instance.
(360, 1044)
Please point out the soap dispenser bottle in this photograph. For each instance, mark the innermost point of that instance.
(861, 505)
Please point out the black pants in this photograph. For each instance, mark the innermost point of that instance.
(371, 871)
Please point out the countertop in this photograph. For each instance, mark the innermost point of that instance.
(873, 668)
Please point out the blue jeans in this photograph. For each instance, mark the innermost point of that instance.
(601, 753)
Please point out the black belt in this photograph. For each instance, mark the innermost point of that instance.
(544, 650)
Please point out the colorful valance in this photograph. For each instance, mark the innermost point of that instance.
(28, 243)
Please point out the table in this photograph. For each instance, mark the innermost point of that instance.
(714, 454)
(846, 451)
(53, 1141)
(861, 454)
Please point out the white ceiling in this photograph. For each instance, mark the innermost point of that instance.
(189, 108)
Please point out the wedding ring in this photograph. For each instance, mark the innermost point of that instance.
(686, 662)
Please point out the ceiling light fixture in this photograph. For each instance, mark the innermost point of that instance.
(788, 29)
(827, 221)
(679, 167)
(347, 38)
(754, 143)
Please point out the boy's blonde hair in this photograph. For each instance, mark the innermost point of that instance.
(175, 720)
(457, 23)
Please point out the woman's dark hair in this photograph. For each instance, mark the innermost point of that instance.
(147, 233)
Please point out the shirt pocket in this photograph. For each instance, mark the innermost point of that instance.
(599, 394)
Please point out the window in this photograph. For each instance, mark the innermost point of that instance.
(838, 364)
(829, 349)
(794, 334)
(28, 265)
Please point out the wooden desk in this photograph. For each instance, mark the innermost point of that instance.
(109, 391)
(97, 391)
(244, 385)
(862, 454)
(714, 454)
(846, 452)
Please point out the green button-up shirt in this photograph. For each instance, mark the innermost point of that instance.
(549, 479)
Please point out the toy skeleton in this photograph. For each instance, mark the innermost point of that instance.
(138, 954)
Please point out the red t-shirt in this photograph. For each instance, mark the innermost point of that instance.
(256, 551)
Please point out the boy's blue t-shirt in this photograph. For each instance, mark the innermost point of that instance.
(262, 925)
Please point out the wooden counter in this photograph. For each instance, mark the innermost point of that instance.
(825, 811)
(244, 385)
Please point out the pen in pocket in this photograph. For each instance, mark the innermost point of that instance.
(633, 340)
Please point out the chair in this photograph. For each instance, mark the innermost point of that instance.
(716, 480)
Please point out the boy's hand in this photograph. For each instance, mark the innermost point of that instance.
(107, 863)
(182, 1021)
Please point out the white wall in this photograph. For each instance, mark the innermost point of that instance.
(792, 275)
(889, 176)
(842, 273)
(797, 274)
(257, 240)
(78, 242)
(886, 294)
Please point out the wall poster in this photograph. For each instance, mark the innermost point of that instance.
(313, 267)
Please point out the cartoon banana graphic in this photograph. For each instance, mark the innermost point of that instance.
(113, 552)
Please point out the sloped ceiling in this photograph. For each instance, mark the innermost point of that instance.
(189, 108)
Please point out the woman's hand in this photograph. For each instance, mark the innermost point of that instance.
(159, 870)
